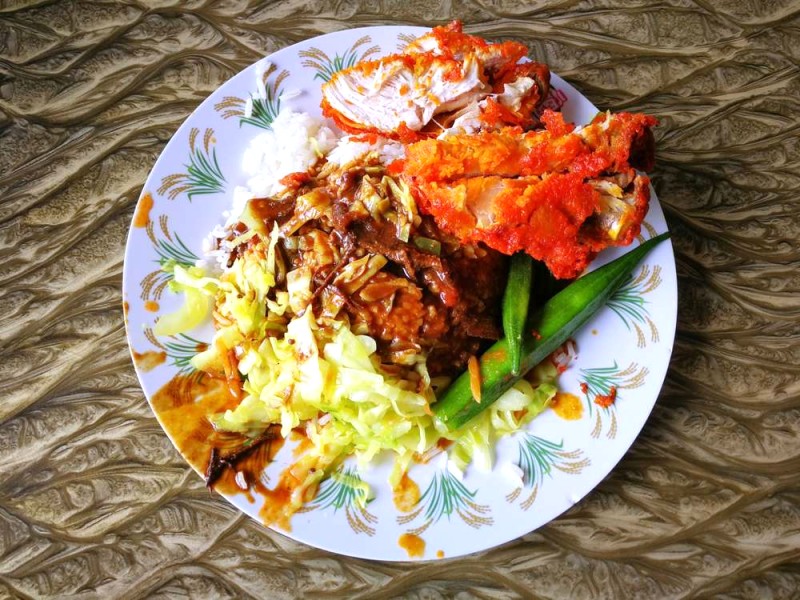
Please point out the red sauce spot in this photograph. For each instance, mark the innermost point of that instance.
(407, 135)
(567, 406)
(142, 215)
(444, 444)
(406, 494)
(151, 306)
(555, 124)
(278, 501)
(182, 407)
(295, 180)
(606, 400)
(147, 361)
(412, 544)
(303, 442)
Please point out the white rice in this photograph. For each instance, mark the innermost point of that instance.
(295, 143)
(347, 150)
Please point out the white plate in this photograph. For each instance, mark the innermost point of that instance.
(627, 345)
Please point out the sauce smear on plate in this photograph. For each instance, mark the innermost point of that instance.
(412, 544)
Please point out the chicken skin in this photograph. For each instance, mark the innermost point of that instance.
(560, 194)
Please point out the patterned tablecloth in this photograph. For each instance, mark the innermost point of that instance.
(94, 500)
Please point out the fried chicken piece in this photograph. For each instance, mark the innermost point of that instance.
(440, 77)
(517, 87)
(399, 94)
(562, 195)
(451, 41)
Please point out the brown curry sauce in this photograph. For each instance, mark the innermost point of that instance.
(183, 406)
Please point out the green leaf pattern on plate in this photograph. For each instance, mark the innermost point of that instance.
(262, 107)
(180, 349)
(169, 247)
(325, 66)
(345, 489)
(537, 459)
(203, 174)
(445, 496)
(605, 381)
(629, 304)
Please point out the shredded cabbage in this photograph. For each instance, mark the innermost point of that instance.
(197, 291)
(298, 371)
(475, 441)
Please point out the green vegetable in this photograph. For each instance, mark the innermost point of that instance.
(192, 312)
(427, 245)
(516, 299)
(198, 291)
(328, 380)
(547, 329)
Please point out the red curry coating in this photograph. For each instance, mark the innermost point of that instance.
(561, 194)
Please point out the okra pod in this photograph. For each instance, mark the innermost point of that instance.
(516, 300)
(546, 330)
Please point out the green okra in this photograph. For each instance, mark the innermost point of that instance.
(545, 330)
(516, 300)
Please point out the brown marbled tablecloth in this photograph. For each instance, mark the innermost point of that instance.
(94, 500)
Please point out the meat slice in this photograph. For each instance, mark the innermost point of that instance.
(451, 41)
(441, 77)
(614, 142)
(398, 95)
(559, 219)
(561, 195)
(518, 85)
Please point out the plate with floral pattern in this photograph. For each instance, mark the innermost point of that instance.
(539, 472)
